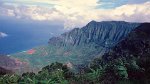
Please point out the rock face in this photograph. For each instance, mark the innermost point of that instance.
(11, 64)
(106, 33)
(4, 71)
(137, 43)
(7, 62)
(80, 45)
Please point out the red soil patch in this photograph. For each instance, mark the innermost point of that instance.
(32, 51)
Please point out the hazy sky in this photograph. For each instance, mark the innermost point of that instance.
(76, 13)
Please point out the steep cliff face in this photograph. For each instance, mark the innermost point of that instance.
(137, 43)
(80, 45)
(4, 71)
(132, 53)
(106, 34)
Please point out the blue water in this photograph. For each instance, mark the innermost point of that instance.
(25, 35)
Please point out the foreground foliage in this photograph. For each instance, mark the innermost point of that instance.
(118, 71)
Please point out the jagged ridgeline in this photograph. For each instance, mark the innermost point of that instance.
(78, 46)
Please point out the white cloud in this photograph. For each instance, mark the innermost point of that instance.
(77, 13)
(2, 35)
(132, 13)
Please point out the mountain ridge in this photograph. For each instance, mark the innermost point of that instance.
(98, 29)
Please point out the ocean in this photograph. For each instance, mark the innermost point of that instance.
(22, 36)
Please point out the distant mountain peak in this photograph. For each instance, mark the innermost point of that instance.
(93, 21)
